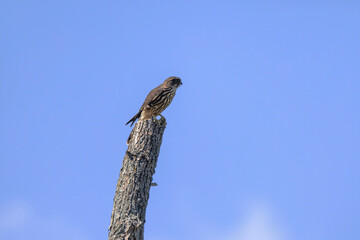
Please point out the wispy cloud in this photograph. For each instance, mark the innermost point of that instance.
(259, 223)
(14, 215)
(18, 220)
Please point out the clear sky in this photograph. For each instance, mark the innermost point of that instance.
(262, 141)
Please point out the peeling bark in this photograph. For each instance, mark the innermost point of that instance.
(135, 180)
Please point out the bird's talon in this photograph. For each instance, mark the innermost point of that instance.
(158, 123)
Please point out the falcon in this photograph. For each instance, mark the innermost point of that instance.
(157, 100)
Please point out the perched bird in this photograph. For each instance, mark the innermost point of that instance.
(157, 100)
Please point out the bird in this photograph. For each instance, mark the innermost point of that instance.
(157, 100)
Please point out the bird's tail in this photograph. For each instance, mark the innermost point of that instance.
(134, 118)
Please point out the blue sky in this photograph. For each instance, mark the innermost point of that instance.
(262, 141)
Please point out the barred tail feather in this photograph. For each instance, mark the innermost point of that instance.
(134, 119)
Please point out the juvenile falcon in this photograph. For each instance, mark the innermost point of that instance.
(157, 100)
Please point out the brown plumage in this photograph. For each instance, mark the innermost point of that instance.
(157, 100)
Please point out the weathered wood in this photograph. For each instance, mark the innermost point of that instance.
(136, 174)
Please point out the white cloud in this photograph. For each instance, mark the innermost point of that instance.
(259, 223)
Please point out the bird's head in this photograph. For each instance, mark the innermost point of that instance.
(173, 81)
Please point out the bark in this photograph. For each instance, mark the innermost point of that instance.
(135, 180)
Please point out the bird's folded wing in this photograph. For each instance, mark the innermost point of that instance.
(153, 97)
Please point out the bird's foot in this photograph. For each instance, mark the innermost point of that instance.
(153, 119)
(162, 120)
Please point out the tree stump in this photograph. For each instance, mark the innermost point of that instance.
(135, 180)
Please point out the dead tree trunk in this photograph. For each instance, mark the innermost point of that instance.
(133, 186)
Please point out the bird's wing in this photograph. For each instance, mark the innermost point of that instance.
(153, 97)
